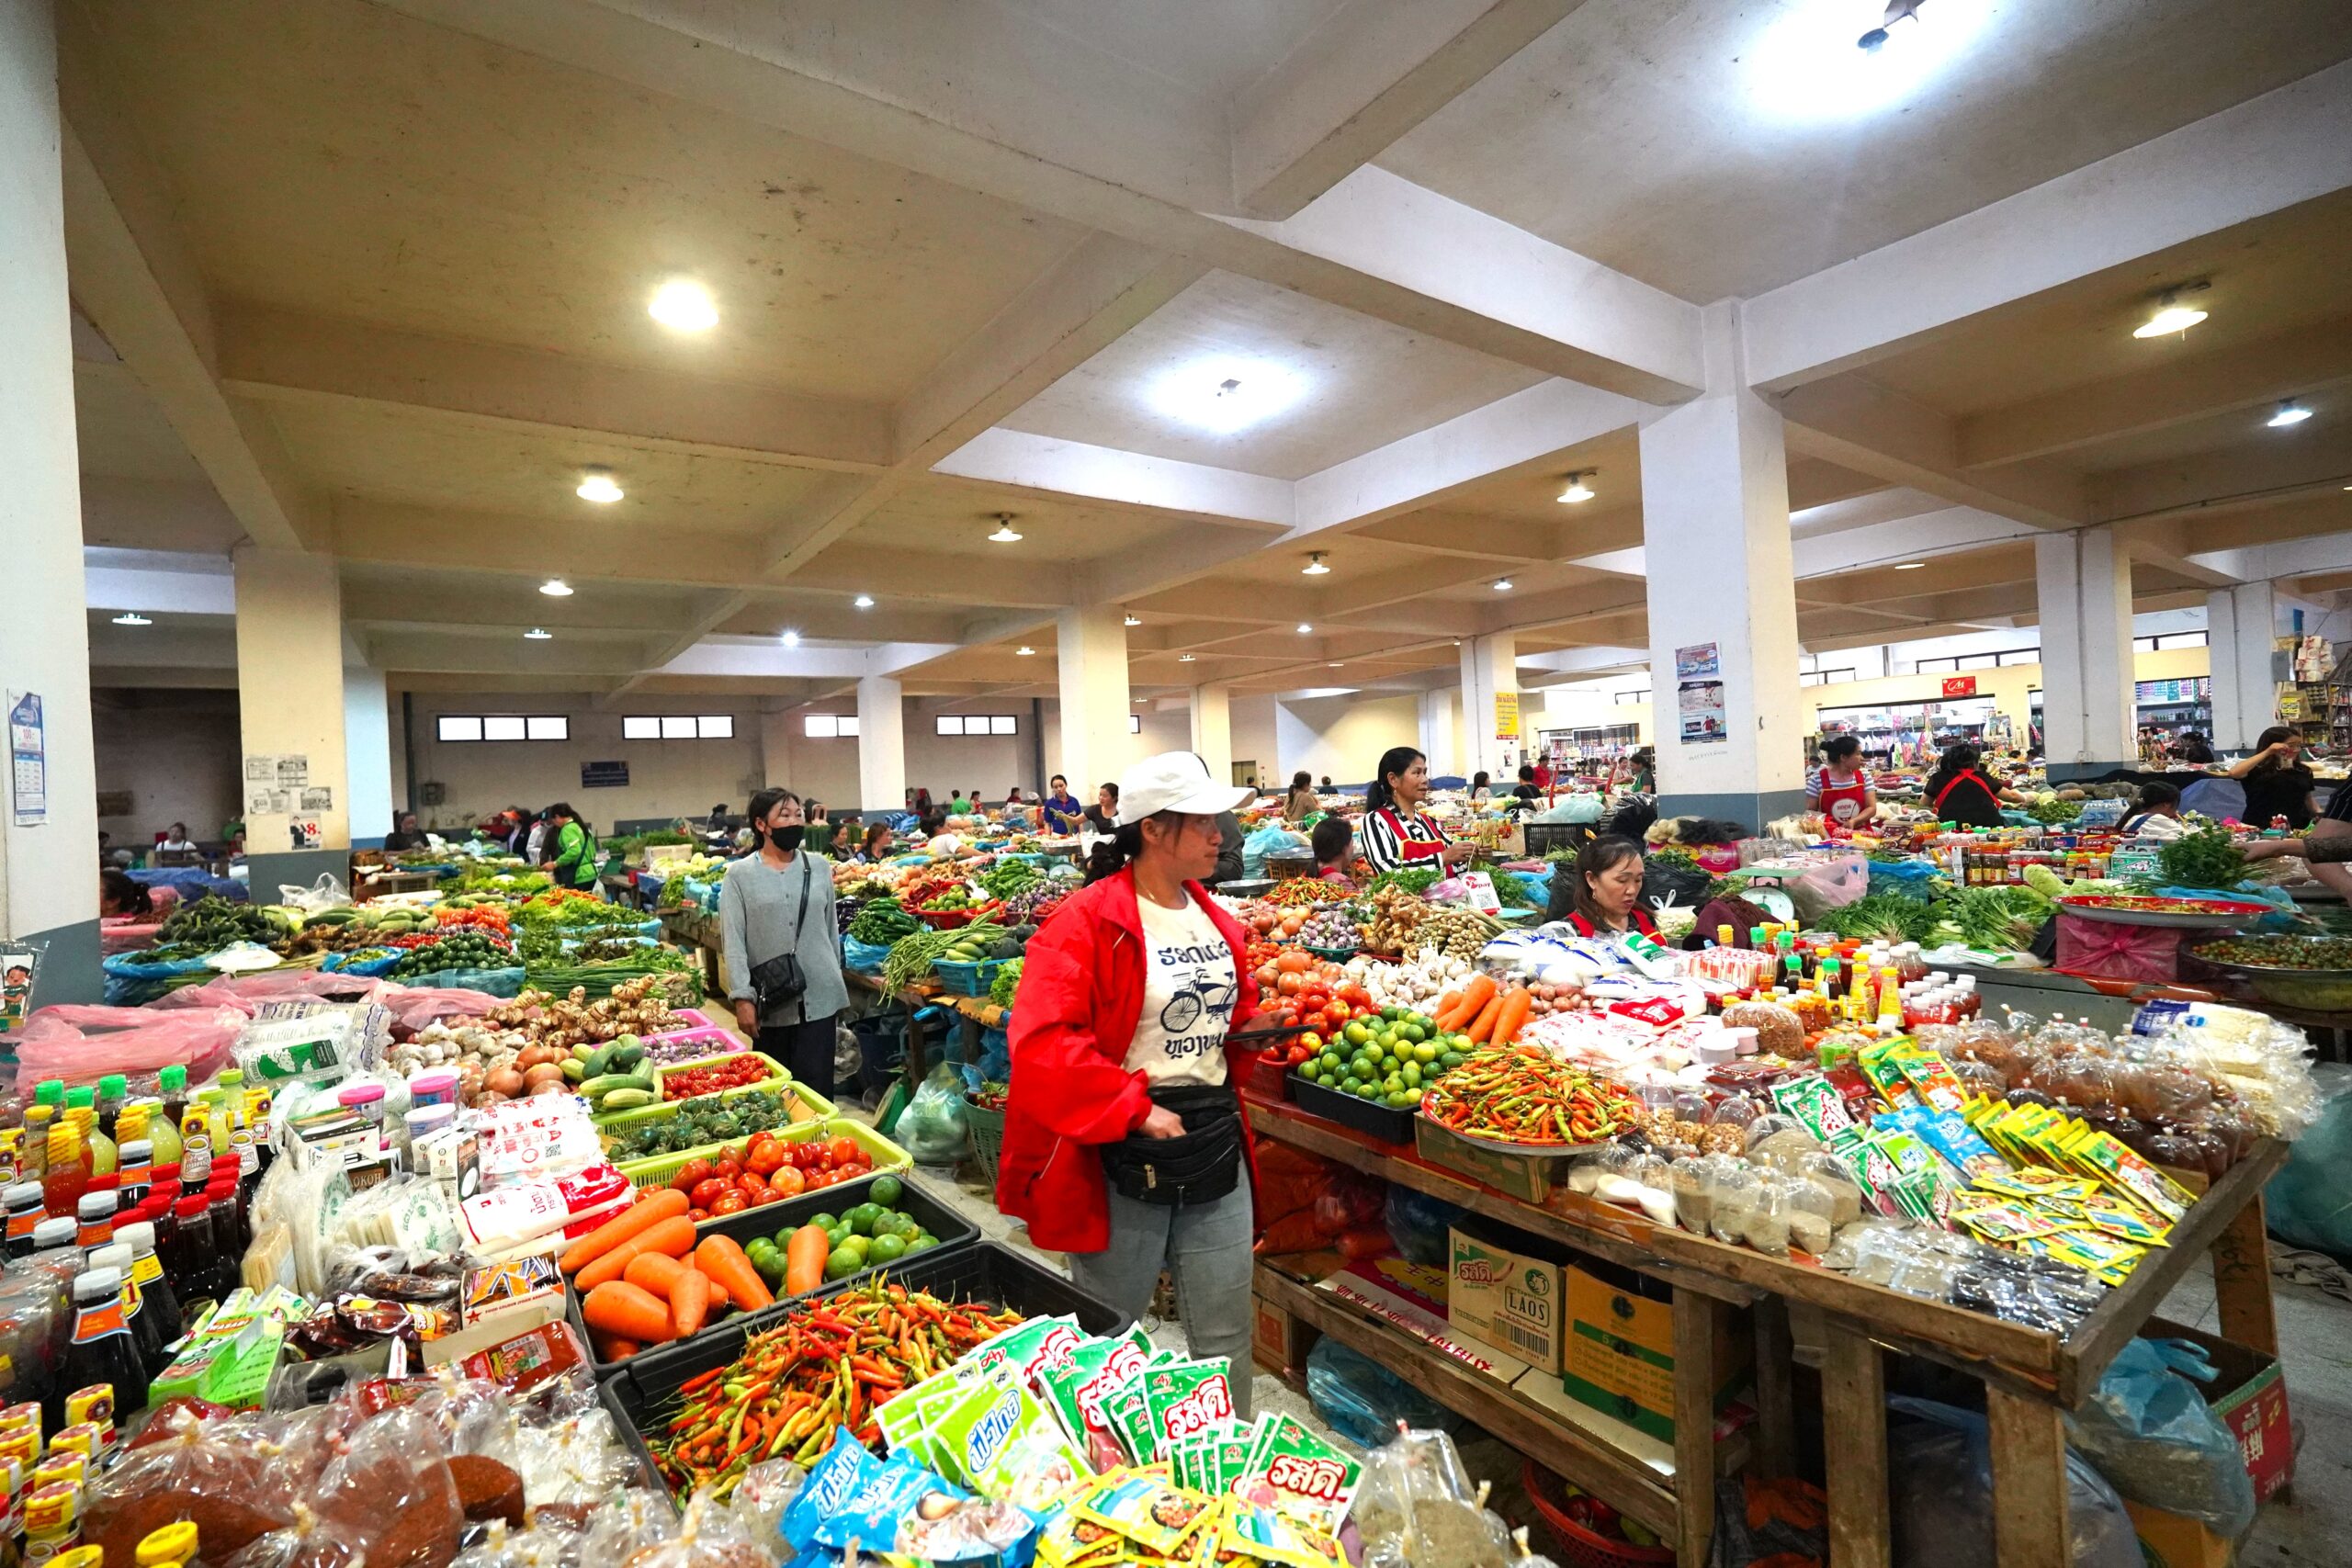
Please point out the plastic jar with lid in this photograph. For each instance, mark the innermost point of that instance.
(434, 1086)
(176, 1542)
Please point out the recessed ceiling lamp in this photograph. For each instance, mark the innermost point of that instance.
(1578, 490)
(1135, 620)
(132, 618)
(537, 634)
(790, 638)
(864, 601)
(598, 485)
(1502, 585)
(1005, 534)
(682, 305)
(1304, 628)
(1024, 650)
(556, 588)
(1183, 659)
(1314, 567)
(1909, 565)
(2171, 316)
(1225, 394)
(2289, 413)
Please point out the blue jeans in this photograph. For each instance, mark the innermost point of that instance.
(1206, 1248)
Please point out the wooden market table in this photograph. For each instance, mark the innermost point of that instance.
(693, 927)
(976, 1014)
(2032, 1377)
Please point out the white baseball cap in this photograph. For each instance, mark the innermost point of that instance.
(1176, 781)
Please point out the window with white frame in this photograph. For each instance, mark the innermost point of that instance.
(464, 726)
(971, 724)
(830, 727)
(677, 727)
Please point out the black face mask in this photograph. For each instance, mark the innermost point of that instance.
(786, 839)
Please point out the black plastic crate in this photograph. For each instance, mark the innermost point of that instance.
(1540, 838)
(1387, 1125)
(641, 1390)
(930, 1211)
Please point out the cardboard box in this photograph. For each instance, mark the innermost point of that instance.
(1619, 1350)
(2174, 1541)
(2250, 1396)
(1413, 1298)
(1509, 1298)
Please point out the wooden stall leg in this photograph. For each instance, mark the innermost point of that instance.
(1280, 1342)
(1776, 1423)
(2029, 1495)
(2241, 1257)
(1853, 1440)
(1697, 1319)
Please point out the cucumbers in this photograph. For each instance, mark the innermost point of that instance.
(625, 1099)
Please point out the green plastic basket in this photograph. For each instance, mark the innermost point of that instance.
(887, 1156)
(988, 1138)
(819, 1107)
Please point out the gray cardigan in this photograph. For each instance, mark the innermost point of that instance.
(757, 905)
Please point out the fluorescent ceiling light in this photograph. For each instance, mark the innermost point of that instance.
(2289, 414)
(1909, 565)
(683, 305)
(556, 588)
(1314, 567)
(790, 638)
(864, 601)
(599, 486)
(1183, 659)
(1502, 585)
(132, 618)
(1577, 488)
(537, 634)
(1225, 393)
(1805, 64)
(1005, 534)
(1304, 629)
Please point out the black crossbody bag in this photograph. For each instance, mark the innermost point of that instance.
(779, 982)
(1198, 1167)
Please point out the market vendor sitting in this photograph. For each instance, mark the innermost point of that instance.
(1600, 893)
(1332, 839)
(2156, 812)
(1841, 789)
(1957, 793)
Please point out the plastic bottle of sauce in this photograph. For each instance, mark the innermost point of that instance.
(146, 1330)
(228, 1223)
(101, 1147)
(137, 1167)
(68, 1175)
(102, 1350)
(55, 1233)
(23, 1201)
(172, 1084)
(155, 1293)
(40, 1117)
(96, 1213)
(114, 1092)
(190, 1256)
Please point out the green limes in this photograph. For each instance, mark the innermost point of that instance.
(885, 1191)
(886, 1250)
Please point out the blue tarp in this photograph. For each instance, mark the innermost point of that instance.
(193, 881)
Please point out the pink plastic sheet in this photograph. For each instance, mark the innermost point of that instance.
(82, 1044)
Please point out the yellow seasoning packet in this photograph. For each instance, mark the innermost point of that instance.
(1148, 1509)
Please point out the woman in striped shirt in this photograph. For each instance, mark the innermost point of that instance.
(1397, 832)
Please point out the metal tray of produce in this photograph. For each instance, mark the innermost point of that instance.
(2183, 920)
(2317, 990)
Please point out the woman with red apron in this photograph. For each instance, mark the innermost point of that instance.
(1849, 801)
(1957, 793)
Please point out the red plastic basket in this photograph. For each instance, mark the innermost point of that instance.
(1578, 1544)
(950, 919)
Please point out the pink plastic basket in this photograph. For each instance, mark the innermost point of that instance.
(681, 1046)
(696, 1018)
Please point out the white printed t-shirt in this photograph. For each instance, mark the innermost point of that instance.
(1188, 995)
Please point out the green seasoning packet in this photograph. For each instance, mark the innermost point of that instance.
(1128, 1410)
(1075, 1392)
(1039, 1342)
(1184, 1399)
(1309, 1479)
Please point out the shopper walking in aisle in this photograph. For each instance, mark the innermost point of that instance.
(1396, 831)
(2276, 783)
(1301, 802)
(1600, 893)
(781, 946)
(574, 850)
(1123, 1145)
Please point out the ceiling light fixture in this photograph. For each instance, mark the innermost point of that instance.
(2171, 316)
(1024, 650)
(2289, 413)
(1578, 490)
(556, 588)
(1809, 65)
(790, 638)
(1135, 620)
(1304, 629)
(1877, 37)
(598, 485)
(537, 634)
(682, 305)
(1005, 534)
(132, 618)
(1226, 394)
(1502, 585)
(1315, 566)
(1909, 565)
(1335, 664)
(1183, 659)
(864, 601)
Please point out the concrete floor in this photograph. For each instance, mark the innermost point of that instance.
(2308, 1529)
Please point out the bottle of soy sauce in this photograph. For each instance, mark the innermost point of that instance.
(102, 1349)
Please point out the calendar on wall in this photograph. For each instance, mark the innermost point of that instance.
(29, 758)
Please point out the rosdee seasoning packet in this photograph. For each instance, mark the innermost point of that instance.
(1076, 1392)
(1185, 1399)
(1299, 1474)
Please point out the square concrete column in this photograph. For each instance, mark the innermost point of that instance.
(881, 745)
(49, 826)
(1489, 700)
(1438, 720)
(2083, 580)
(291, 710)
(1723, 610)
(2242, 627)
(1093, 656)
(1213, 729)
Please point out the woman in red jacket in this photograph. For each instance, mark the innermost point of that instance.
(1122, 1138)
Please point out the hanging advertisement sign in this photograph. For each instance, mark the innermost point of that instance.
(1506, 716)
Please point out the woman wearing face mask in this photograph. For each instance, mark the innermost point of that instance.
(1123, 1144)
(784, 967)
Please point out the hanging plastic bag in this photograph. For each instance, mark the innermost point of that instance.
(1940, 1487)
(326, 892)
(1832, 884)
(2157, 1440)
(932, 1128)
(1363, 1400)
(82, 1044)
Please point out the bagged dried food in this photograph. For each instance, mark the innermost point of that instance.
(308, 1541)
(197, 1472)
(392, 1489)
(1779, 1032)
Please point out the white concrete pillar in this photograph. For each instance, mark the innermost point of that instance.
(291, 710)
(2242, 627)
(776, 746)
(1437, 731)
(2083, 580)
(1490, 705)
(881, 745)
(368, 754)
(1213, 729)
(1093, 656)
(49, 827)
(1723, 613)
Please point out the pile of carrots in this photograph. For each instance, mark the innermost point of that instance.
(1487, 1013)
(644, 1280)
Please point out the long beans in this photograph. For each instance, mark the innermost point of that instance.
(1520, 1095)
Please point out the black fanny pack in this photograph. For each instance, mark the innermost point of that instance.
(1198, 1167)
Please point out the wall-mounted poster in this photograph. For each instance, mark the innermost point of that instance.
(1699, 661)
(1701, 706)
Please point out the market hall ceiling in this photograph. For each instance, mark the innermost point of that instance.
(1188, 297)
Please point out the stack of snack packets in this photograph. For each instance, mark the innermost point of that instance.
(1078, 1389)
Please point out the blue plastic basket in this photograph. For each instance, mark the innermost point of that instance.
(967, 978)
(865, 958)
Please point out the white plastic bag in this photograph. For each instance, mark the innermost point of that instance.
(326, 892)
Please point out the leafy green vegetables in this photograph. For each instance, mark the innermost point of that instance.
(1997, 918)
(2204, 857)
(1888, 916)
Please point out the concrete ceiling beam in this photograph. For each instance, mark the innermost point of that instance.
(2291, 557)
(1133, 479)
(1921, 537)
(2302, 461)
(392, 533)
(2297, 516)
(1857, 424)
(2257, 157)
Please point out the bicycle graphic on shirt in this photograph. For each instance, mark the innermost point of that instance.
(1205, 995)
